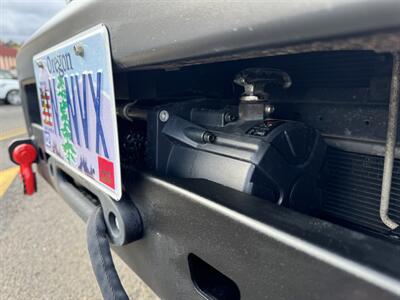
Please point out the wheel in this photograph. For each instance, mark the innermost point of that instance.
(13, 97)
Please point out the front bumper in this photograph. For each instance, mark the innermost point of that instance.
(268, 251)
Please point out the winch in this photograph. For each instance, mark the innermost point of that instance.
(239, 146)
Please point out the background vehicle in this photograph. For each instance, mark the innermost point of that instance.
(253, 141)
(9, 88)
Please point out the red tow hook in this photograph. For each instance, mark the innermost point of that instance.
(25, 155)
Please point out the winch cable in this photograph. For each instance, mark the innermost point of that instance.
(101, 259)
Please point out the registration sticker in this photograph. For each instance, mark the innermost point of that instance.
(77, 104)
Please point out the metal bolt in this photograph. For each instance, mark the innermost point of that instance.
(209, 137)
(163, 116)
(40, 64)
(79, 50)
(269, 109)
(229, 117)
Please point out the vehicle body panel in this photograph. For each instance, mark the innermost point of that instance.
(270, 252)
(147, 33)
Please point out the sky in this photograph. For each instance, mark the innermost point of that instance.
(19, 19)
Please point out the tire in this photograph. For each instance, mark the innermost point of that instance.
(13, 97)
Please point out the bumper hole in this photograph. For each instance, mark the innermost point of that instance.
(210, 282)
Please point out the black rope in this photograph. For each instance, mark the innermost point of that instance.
(100, 257)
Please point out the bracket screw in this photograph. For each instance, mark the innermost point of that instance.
(209, 137)
(163, 116)
(269, 109)
(229, 117)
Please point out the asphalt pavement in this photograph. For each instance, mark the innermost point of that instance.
(43, 253)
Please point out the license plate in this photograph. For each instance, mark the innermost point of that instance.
(77, 105)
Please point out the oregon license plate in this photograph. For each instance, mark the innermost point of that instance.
(77, 104)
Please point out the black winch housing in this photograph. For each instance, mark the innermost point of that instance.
(277, 160)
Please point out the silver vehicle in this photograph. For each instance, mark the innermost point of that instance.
(9, 88)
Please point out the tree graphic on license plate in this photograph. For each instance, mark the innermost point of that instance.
(68, 146)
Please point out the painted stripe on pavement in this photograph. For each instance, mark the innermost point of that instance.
(6, 178)
(12, 133)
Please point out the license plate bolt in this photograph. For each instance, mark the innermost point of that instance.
(79, 50)
(40, 63)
